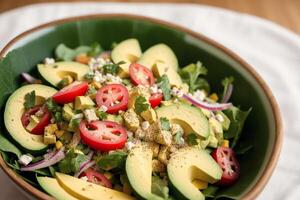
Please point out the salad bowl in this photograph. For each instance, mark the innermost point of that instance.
(262, 132)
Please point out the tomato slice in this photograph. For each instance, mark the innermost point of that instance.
(44, 120)
(103, 135)
(97, 178)
(140, 75)
(114, 97)
(155, 99)
(226, 159)
(70, 92)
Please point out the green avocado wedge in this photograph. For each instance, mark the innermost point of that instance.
(188, 164)
(54, 73)
(52, 187)
(190, 118)
(14, 110)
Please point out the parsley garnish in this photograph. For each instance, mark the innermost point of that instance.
(113, 160)
(52, 106)
(164, 84)
(74, 123)
(71, 163)
(95, 49)
(101, 114)
(192, 139)
(111, 68)
(89, 76)
(140, 104)
(165, 124)
(29, 100)
(58, 117)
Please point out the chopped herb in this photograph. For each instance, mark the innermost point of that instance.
(177, 138)
(83, 148)
(74, 123)
(111, 68)
(127, 82)
(165, 123)
(52, 106)
(29, 100)
(192, 139)
(71, 163)
(95, 49)
(164, 84)
(91, 90)
(58, 117)
(210, 191)
(101, 114)
(89, 76)
(62, 83)
(113, 160)
(190, 75)
(141, 104)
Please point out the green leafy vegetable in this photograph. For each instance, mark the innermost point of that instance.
(101, 114)
(165, 123)
(113, 160)
(91, 90)
(210, 191)
(95, 49)
(237, 119)
(7, 146)
(226, 82)
(71, 163)
(111, 68)
(141, 104)
(164, 83)
(177, 138)
(89, 76)
(29, 100)
(52, 106)
(160, 187)
(58, 117)
(74, 123)
(62, 83)
(192, 139)
(190, 75)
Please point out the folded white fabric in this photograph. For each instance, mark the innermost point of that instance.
(272, 50)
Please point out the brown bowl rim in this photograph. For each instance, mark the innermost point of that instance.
(256, 189)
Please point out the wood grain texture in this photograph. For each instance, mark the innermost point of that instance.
(283, 12)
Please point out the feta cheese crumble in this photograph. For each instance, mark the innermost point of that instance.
(25, 159)
(49, 61)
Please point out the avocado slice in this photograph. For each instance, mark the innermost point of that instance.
(189, 164)
(129, 51)
(139, 171)
(159, 69)
(159, 53)
(14, 110)
(189, 117)
(54, 73)
(52, 187)
(86, 191)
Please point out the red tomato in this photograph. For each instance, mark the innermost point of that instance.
(103, 135)
(44, 120)
(226, 159)
(70, 92)
(140, 75)
(97, 178)
(114, 97)
(155, 99)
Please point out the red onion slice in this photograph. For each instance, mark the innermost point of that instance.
(85, 167)
(89, 158)
(28, 78)
(227, 94)
(58, 156)
(207, 106)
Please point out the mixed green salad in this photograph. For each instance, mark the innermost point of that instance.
(123, 124)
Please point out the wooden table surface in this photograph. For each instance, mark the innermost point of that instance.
(283, 12)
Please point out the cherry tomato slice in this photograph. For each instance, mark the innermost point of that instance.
(97, 178)
(70, 92)
(140, 75)
(226, 159)
(114, 97)
(103, 135)
(44, 120)
(155, 99)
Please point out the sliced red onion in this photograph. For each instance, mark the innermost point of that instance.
(89, 158)
(49, 155)
(85, 167)
(58, 156)
(205, 105)
(227, 94)
(28, 78)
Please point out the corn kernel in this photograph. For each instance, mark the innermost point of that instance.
(225, 143)
(200, 185)
(59, 133)
(214, 97)
(58, 145)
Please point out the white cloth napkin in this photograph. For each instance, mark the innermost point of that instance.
(272, 50)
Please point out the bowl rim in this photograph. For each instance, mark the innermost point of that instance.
(271, 163)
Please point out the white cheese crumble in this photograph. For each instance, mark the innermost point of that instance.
(103, 108)
(25, 159)
(49, 61)
(84, 178)
(145, 125)
(129, 134)
(219, 117)
(199, 95)
(154, 89)
(176, 92)
(78, 116)
(90, 115)
(129, 145)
